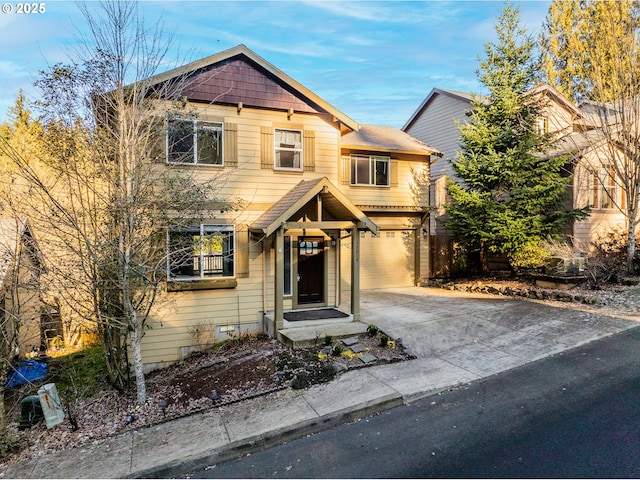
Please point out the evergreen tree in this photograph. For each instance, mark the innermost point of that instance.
(511, 194)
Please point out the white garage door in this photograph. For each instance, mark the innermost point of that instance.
(386, 260)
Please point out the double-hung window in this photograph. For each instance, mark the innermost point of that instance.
(288, 149)
(194, 142)
(201, 252)
(542, 125)
(605, 193)
(370, 170)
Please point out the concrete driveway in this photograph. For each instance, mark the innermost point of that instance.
(483, 334)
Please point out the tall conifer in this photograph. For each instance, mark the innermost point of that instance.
(511, 195)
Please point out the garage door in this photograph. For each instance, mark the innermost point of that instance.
(386, 260)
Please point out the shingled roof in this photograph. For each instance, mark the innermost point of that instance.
(300, 195)
(388, 139)
(221, 68)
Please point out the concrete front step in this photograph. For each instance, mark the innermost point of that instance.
(299, 337)
(319, 323)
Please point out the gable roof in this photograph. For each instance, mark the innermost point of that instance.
(469, 97)
(460, 96)
(300, 195)
(231, 76)
(388, 139)
(559, 98)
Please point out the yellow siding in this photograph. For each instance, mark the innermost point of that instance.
(248, 180)
(560, 120)
(400, 195)
(177, 314)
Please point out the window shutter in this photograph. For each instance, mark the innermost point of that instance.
(159, 143)
(230, 145)
(266, 147)
(242, 251)
(345, 174)
(393, 166)
(309, 151)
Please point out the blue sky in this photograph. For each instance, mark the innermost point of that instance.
(375, 61)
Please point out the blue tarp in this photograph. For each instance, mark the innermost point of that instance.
(26, 371)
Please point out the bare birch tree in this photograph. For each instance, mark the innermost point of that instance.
(603, 42)
(107, 195)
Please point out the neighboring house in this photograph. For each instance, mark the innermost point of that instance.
(436, 122)
(331, 207)
(20, 268)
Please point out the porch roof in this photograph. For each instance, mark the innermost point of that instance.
(305, 191)
(388, 139)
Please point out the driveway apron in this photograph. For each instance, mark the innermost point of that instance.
(483, 334)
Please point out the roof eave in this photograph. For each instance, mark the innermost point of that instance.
(354, 211)
(338, 116)
(370, 148)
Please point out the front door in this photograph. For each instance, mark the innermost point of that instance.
(310, 270)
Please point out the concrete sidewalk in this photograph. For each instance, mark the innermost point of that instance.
(456, 338)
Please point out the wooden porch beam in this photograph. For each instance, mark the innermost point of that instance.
(331, 225)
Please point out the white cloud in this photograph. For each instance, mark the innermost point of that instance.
(9, 69)
(388, 12)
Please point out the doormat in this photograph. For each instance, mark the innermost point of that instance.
(321, 314)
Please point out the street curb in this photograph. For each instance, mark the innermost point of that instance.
(267, 440)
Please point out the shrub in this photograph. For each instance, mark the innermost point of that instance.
(607, 262)
(531, 255)
(372, 330)
(327, 340)
(336, 351)
(384, 340)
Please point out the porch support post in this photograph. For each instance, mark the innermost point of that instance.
(278, 310)
(417, 233)
(355, 274)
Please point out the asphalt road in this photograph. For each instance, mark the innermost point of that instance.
(576, 414)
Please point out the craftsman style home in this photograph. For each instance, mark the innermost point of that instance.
(436, 122)
(329, 207)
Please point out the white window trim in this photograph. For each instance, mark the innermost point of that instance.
(371, 158)
(196, 124)
(598, 180)
(542, 125)
(276, 149)
(201, 276)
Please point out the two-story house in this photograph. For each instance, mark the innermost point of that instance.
(436, 122)
(330, 206)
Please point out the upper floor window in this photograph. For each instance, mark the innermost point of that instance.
(604, 192)
(288, 149)
(194, 142)
(370, 170)
(542, 125)
(202, 251)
